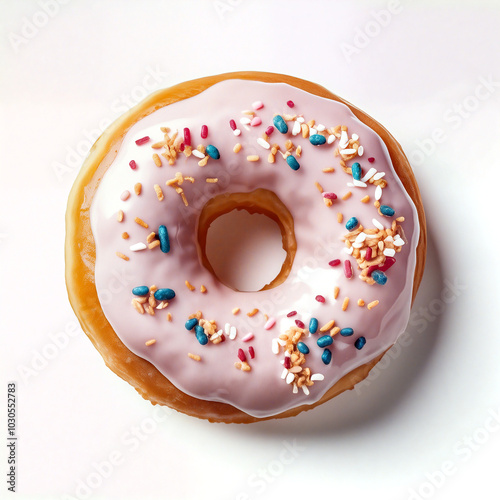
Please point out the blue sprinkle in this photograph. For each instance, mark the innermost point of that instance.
(164, 239)
(292, 162)
(360, 342)
(191, 323)
(140, 290)
(303, 348)
(164, 294)
(280, 124)
(325, 340)
(212, 151)
(346, 332)
(326, 357)
(317, 139)
(387, 211)
(201, 336)
(356, 171)
(379, 277)
(313, 325)
(352, 224)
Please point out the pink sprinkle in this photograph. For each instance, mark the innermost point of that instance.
(232, 124)
(133, 164)
(290, 104)
(252, 352)
(389, 262)
(291, 313)
(348, 269)
(320, 298)
(371, 269)
(125, 195)
(287, 363)
(187, 137)
(269, 323)
(368, 255)
(141, 141)
(299, 323)
(330, 196)
(258, 105)
(241, 355)
(255, 121)
(371, 159)
(204, 131)
(269, 130)
(247, 337)
(182, 147)
(334, 262)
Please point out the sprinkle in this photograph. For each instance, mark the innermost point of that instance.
(247, 337)
(204, 132)
(296, 128)
(369, 174)
(356, 171)
(154, 244)
(269, 130)
(201, 336)
(290, 104)
(120, 216)
(290, 378)
(275, 347)
(299, 323)
(360, 342)
(191, 323)
(291, 313)
(324, 341)
(317, 139)
(203, 289)
(187, 137)
(157, 160)
(348, 269)
(125, 235)
(194, 356)
(330, 196)
(349, 151)
(190, 287)
(305, 390)
(303, 348)
(346, 332)
(150, 237)
(398, 242)
(256, 121)
(386, 210)
(336, 291)
(379, 277)
(390, 252)
(269, 323)
(241, 355)
(327, 326)
(253, 158)
(232, 333)
(373, 304)
(237, 147)
(262, 142)
(317, 377)
(133, 164)
(245, 120)
(287, 364)
(236, 310)
(378, 176)
(164, 239)
(320, 298)
(138, 306)
(142, 141)
(361, 303)
(198, 154)
(389, 262)
(368, 255)
(313, 325)
(140, 290)
(164, 294)
(212, 151)
(361, 150)
(253, 312)
(124, 257)
(378, 193)
(280, 124)
(345, 304)
(292, 162)
(334, 262)
(347, 195)
(377, 224)
(352, 224)
(232, 124)
(371, 159)
(340, 217)
(169, 316)
(237, 132)
(150, 342)
(251, 351)
(326, 357)
(141, 222)
(125, 195)
(365, 199)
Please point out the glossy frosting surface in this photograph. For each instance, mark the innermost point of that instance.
(262, 391)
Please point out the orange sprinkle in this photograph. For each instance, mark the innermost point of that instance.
(345, 304)
(120, 216)
(157, 160)
(124, 257)
(347, 195)
(365, 199)
(211, 180)
(154, 244)
(125, 236)
(361, 302)
(150, 237)
(150, 342)
(252, 312)
(138, 188)
(336, 291)
(203, 289)
(237, 147)
(190, 287)
(319, 186)
(334, 331)
(159, 192)
(400, 219)
(253, 157)
(377, 204)
(141, 222)
(196, 357)
(236, 310)
(169, 316)
(328, 326)
(373, 304)
(340, 217)
(328, 170)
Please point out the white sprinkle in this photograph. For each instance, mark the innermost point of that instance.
(162, 305)
(138, 246)
(262, 142)
(331, 139)
(320, 128)
(372, 235)
(359, 183)
(369, 174)
(361, 150)
(257, 105)
(389, 252)
(245, 121)
(346, 152)
(399, 242)
(350, 184)
(378, 193)
(357, 245)
(306, 390)
(389, 238)
(287, 354)
(275, 347)
(295, 389)
(378, 176)
(296, 128)
(344, 139)
(312, 131)
(232, 333)
(216, 335)
(227, 327)
(247, 337)
(354, 137)
(281, 342)
(317, 376)
(348, 250)
(237, 132)
(197, 153)
(377, 224)
(284, 373)
(269, 323)
(360, 237)
(290, 378)
(300, 119)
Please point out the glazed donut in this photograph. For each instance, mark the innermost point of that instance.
(343, 195)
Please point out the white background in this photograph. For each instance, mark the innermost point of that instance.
(423, 425)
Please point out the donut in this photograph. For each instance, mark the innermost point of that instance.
(334, 181)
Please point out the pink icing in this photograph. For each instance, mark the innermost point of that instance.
(262, 391)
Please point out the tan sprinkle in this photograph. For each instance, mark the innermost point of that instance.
(196, 357)
(328, 170)
(157, 160)
(237, 148)
(253, 157)
(120, 216)
(361, 302)
(271, 158)
(141, 222)
(400, 219)
(169, 316)
(211, 180)
(236, 310)
(190, 287)
(125, 236)
(150, 342)
(336, 291)
(151, 237)
(334, 331)
(124, 257)
(158, 145)
(340, 217)
(203, 289)
(347, 195)
(328, 326)
(345, 304)
(138, 188)
(373, 304)
(377, 204)
(252, 312)
(138, 306)
(154, 244)
(203, 161)
(365, 199)
(319, 187)
(159, 192)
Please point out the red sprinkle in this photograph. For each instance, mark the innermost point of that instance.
(269, 130)
(368, 255)
(299, 323)
(222, 338)
(290, 104)
(232, 124)
(182, 147)
(204, 131)
(133, 164)
(143, 140)
(371, 269)
(371, 159)
(291, 313)
(320, 298)
(347, 269)
(389, 262)
(287, 363)
(252, 352)
(334, 262)
(330, 196)
(241, 355)
(187, 137)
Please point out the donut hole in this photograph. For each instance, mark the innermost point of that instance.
(246, 240)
